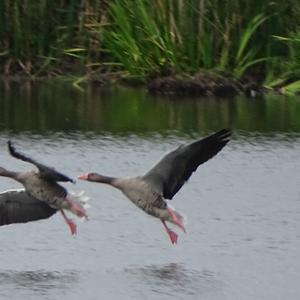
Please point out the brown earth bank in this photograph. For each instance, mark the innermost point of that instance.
(204, 84)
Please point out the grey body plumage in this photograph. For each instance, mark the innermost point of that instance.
(17, 206)
(150, 191)
(43, 186)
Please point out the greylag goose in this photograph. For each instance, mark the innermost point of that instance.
(43, 186)
(165, 179)
(17, 206)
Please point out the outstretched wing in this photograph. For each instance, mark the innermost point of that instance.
(16, 206)
(45, 171)
(174, 169)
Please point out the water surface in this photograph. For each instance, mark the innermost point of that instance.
(243, 206)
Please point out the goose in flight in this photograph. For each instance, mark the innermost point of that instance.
(17, 206)
(43, 185)
(150, 191)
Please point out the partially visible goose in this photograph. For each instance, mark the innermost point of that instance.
(43, 186)
(165, 179)
(17, 206)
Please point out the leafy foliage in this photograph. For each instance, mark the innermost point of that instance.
(143, 38)
(163, 37)
(37, 35)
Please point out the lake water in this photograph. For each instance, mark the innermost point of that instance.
(243, 206)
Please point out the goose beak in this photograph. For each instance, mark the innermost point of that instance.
(84, 176)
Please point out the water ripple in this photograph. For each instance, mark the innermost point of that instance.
(175, 279)
(40, 282)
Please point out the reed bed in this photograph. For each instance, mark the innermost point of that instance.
(38, 37)
(153, 38)
(146, 39)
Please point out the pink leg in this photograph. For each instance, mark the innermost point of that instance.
(177, 218)
(172, 234)
(70, 222)
(77, 208)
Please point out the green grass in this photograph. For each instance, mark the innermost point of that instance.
(145, 39)
(173, 36)
(38, 35)
(286, 74)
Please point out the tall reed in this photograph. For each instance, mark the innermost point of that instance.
(160, 37)
(37, 34)
(148, 38)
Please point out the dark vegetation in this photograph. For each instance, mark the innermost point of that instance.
(252, 45)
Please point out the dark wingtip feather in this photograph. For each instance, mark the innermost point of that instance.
(45, 171)
(11, 148)
(224, 134)
(13, 152)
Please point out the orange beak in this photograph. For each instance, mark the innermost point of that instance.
(84, 176)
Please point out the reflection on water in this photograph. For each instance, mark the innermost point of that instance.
(48, 108)
(38, 283)
(175, 278)
(243, 206)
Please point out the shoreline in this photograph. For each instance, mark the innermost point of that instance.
(204, 83)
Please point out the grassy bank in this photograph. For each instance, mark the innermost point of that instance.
(145, 39)
(48, 38)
